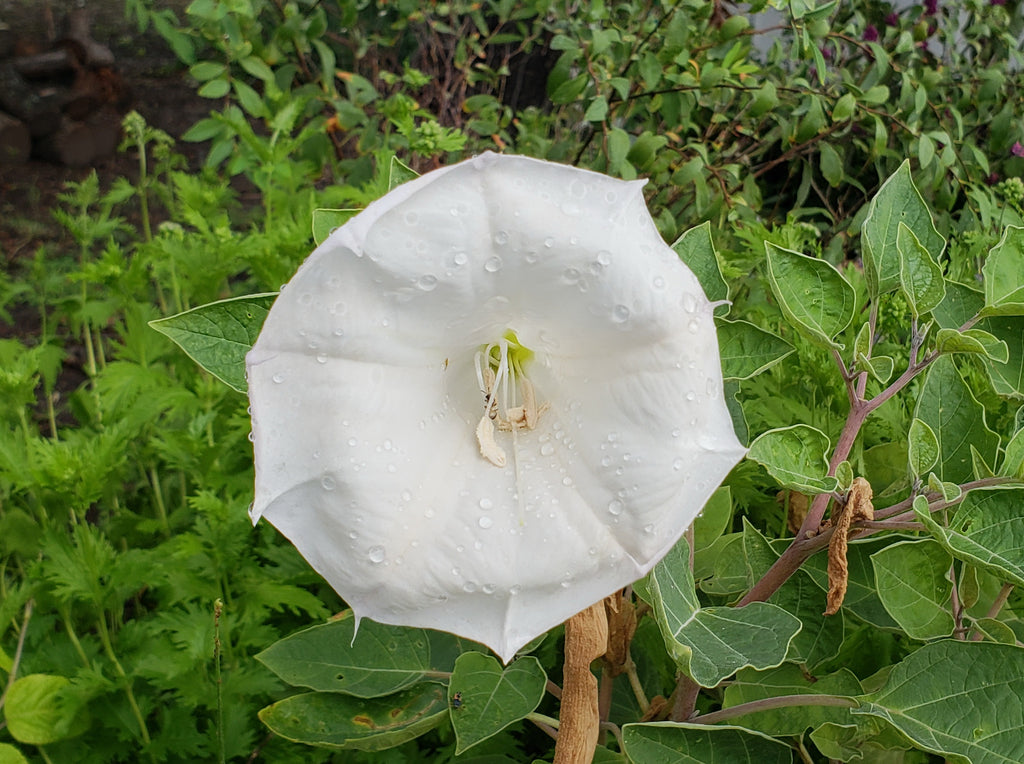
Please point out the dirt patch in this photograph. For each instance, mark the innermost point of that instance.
(159, 89)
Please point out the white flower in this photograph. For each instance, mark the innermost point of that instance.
(489, 400)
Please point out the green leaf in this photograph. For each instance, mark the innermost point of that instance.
(986, 531)
(814, 297)
(961, 304)
(820, 637)
(11, 755)
(331, 720)
(325, 222)
(1004, 275)
(710, 644)
(868, 739)
(912, 584)
(922, 448)
(796, 457)
(379, 661)
(948, 407)
(618, 147)
(957, 698)
(897, 201)
(714, 519)
(218, 335)
(831, 165)
(789, 679)
(1013, 458)
(1007, 377)
(880, 367)
(747, 350)
(920, 276)
(972, 341)
(697, 250)
(948, 491)
(844, 108)
(597, 110)
(862, 590)
(485, 699)
(35, 713)
(399, 173)
(217, 88)
(682, 743)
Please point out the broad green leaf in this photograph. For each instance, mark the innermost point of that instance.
(820, 637)
(957, 698)
(814, 297)
(218, 335)
(11, 755)
(714, 519)
(831, 164)
(597, 110)
(972, 341)
(379, 661)
(326, 221)
(1004, 275)
(986, 531)
(1013, 458)
(1007, 378)
(697, 250)
(897, 201)
(710, 644)
(747, 350)
(484, 698)
(399, 173)
(789, 679)
(948, 491)
(961, 304)
(333, 720)
(880, 367)
(922, 448)
(948, 407)
(844, 476)
(869, 739)
(682, 743)
(796, 457)
(728, 566)
(34, 712)
(912, 584)
(862, 598)
(920, 276)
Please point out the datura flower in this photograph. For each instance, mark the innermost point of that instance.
(490, 399)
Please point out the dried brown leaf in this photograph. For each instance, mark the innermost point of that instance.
(858, 507)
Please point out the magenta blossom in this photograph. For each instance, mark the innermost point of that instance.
(931, 7)
(871, 33)
(892, 20)
(1017, 149)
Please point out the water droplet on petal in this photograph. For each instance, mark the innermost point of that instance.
(321, 358)
(327, 483)
(515, 589)
(659, 282)
(604, 258)
(469, 587)
(620, 314)
(693, 326)
(488, 588)
(689, 303)
(278, 379)
(376, 554)
(501, 238)
(615, 507)
(493, 264)
(691, 396)
(427, 282)
(485, 522)
(252, 437)
(549, 242)
(547, 449)
(411, 218)
(677, 465)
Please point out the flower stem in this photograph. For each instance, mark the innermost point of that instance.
(781, 701)
(586, 639)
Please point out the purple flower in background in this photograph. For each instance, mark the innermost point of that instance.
(931, 7)
(892, 20)
(992, 179)
(997, 2)
(871, 33)
(1017, 149)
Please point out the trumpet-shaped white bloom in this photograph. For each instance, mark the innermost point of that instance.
(489, 400)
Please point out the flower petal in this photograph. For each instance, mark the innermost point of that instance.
(366, 401)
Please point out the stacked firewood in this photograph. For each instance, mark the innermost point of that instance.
(61, 101)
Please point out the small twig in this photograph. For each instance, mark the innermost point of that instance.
(767, 704)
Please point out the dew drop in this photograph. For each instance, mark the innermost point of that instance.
(493, 264)
(352, 442)
(488, 588)
(712, 388)
(321, 358)
(353, 535)
(677, 465)
(327, 483)
(460, 258)
(659, 282)
(676, 433)
(277, 379)
(693, 326)
(427, 282)
(515, 589)
(690, 396)
(486, 504)
(485, 522)
(406, 496)
(547, 449)
(501, 238)
(567, 481)
(392, 468)
(549, 242)
(571, 275)
(411, 218)
(376, 554)
(689, 303)
(469, 587)
(615, 507)
(649, 528)
(252, 437)
(620, 314)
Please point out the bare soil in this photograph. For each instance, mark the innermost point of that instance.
(160, 90)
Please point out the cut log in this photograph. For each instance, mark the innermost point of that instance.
(15, 141)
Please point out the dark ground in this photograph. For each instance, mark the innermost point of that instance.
(160, 90)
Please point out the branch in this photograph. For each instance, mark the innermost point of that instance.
(767, 704)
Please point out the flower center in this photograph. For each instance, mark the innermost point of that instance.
(510, 403)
